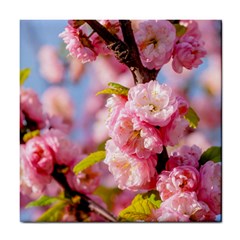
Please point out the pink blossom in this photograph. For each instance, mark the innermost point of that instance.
(135, 137)
(180, 179)
(174, 131)
(210, 185)
(187, 204)
(51, 67)
(192, 28)
(36, 166)
(64, 149)
(114, 104)
(78, 44)
(57, 123)
(76, 69)
(86, 181)
(31, 107)
(184, 156)
(167, 214)
(155, 41)
(130, 172)
(57, 102)
(39, 155)
(187, 53)
(152, 102)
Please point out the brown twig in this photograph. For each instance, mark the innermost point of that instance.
(88, 203)
(162, 159)
(126, 52)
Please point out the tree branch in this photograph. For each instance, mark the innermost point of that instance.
(86, 202)
(126, 52)
(162, 159)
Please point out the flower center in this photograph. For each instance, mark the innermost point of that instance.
(152, 108)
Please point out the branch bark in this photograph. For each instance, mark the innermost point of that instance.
(86, 202)
(126, 52)
(162, 159)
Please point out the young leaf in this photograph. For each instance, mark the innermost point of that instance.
(180, 30)
(24, 73)
(53, 214)
(115, 88)
(213, 153)
(42, 201)
(89, 161)
(141, 207)
(27, 136)
(192, 118)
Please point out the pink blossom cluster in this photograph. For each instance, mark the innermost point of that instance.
(53, 148)
(189, 49)
(189, 193)
(84, 44)
(150, 117)
(157, 42)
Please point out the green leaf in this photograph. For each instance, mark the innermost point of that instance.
(89, 161)
(213, 153)
(27, 136)
(180, 30)
(24, 73)
(53, 214)
(115, 88)
(42, 201)
(141, 207)
(192, 118)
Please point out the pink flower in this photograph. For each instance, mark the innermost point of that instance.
(57, 102)
(57, 123)
(185, 156)
(51, 67)
(39, 155)
(31, 108)
(114, 104)
(86, 181)
(135, 137)
(130, 172)
(187, 204)
(152, 102)
(76, 69)
(65, 151)
(174, 131)
(192, 28)
(37, 161)
(78, 44)
(155, 41)
(167, 214)
(187, 53)
(180, 179)
(210, 185)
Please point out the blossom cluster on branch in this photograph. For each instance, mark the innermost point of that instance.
(135, 163)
